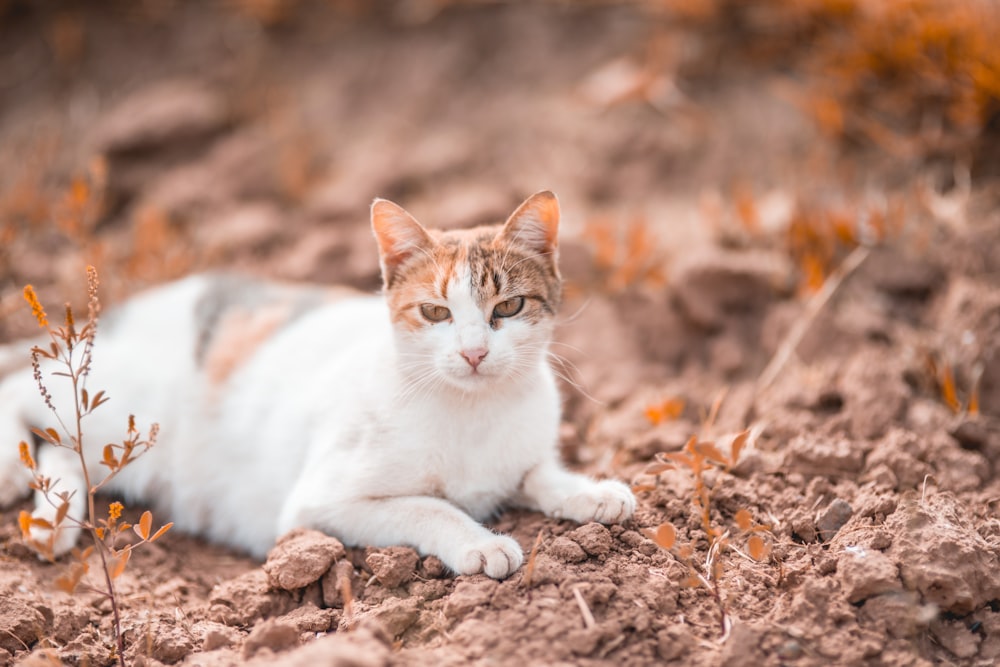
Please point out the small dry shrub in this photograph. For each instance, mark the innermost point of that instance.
(72, 348)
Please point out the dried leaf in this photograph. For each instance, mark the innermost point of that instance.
(164, 528)
(744, 519)
(46, 436)
(99, 398)
(116, 566)
(41, 523)
(68, 582)
(145, 525)
(643, 488)
(657, 468)
(681, 458)
(668, 410)
(757, 547)
(711, 452)
(666, 536)
(61, 512)
(948, 392)
(738, 443)
(24, 521)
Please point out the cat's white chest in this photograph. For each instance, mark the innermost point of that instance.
(476, 455)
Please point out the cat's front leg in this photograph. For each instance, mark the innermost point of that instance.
(563, 494)
(431, 525)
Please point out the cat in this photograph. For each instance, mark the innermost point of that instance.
(401, 419)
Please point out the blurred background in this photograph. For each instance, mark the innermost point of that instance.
(154, 138)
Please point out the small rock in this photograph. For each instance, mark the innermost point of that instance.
(742, 647)
(833, 518)
(218, 637)
(274, 634)
(864, 573)
(393, 566)
(301, 557)
(566, 550)
(246, 598)
(954, 636)
(468, 596)
(397, 615)
(548, 570)
(822, 455)
(331, 583)
(160, 114)
(942, 555)
(20, 624)
(631, 538)
(712, 283)
(170, 643)
(360, 648)
(433, 567)
(309, 618)
(900, 612)
(594, 538)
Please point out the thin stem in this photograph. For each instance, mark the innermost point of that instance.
(99, 544)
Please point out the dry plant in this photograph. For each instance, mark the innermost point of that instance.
(71, 349)
(915, 78)
(625, 255)
(942, 377)
(696, 458)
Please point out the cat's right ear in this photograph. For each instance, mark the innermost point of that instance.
(399, 236)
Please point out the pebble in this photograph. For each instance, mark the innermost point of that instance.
(301, 557)
(833, 519)
(594, 538)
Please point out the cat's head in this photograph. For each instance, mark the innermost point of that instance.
(471, 308)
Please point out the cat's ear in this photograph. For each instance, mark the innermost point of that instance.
(535, 224)
(399, 236)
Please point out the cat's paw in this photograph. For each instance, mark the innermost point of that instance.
(497, 557)
(607, 501)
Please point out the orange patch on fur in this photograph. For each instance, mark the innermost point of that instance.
(239, 333)
(241, 330)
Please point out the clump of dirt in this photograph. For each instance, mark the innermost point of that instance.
(872, 473)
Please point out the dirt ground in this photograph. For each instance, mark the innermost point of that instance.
(705, 213)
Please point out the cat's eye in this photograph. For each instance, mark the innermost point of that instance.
(434, 313)
(509, 308)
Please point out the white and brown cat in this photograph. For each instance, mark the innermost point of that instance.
(406, 418)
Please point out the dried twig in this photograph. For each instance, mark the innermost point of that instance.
(813, 309)
(588, 617)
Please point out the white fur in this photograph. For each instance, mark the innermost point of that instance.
(339, 421)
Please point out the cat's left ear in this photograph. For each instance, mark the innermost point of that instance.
(535, 224)
(399, 236)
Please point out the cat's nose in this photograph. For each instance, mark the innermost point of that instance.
(474, 356)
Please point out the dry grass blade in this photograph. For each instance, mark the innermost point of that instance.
(794, 336)
(948, 392)
(588, 616)
(529, 568)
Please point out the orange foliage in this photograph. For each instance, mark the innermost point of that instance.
(626, 255)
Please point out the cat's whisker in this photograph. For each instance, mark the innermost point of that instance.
(561, 321)
(572, 347)
(568, 369)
